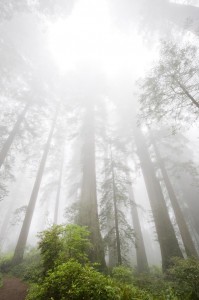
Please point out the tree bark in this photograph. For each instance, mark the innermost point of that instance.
(88, 211)
(142, 263)
(20, 247)
(58, 190)
(112, 251)
(169, 246)
(184, 231)
(118, 244)
(13, 133)
(190, 196)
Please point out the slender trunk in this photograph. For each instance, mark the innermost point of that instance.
(169, 246)
(58, 190)
(184, 231)
(88, 212)
(190, 200)
(118, 244)
(112, 251)
(13, 133)
(20, 248)
(190, 197)
(142, 263)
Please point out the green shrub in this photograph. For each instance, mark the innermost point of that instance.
(130, 292)
(123, 274)
(181, 282)
(6, 262)
(184, 277)
(155, 284)
(151, 282)
(61, 243)
(72, 281)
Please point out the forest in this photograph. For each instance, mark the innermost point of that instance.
(99, 150)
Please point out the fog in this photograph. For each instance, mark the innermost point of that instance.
(99, 126)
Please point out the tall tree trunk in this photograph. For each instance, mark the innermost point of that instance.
(169, 246)
(20, 248)
(88, 209)
(13, 133)
(184, 231)
(112, 251)
(142, 263)
(190, 196)
(118, 244)
(58, 190)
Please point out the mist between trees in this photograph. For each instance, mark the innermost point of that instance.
(99, 127)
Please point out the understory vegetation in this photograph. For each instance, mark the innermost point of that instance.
(99, 149)
(61, 269)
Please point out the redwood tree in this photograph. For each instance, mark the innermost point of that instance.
(13, 133)
(88, 206)
(142, 263)
(184, 230)
(21, 243)
(168, 242)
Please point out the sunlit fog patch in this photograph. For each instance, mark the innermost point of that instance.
(89, 35)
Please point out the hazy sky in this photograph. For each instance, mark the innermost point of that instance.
(90, 34)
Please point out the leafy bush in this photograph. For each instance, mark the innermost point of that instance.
(61, 243)
(67, 274)
(150, 282)
(6, 263)
(130, 292)
(72, 281)
(180, 282)
(123, 274)
(184, 277)
(155, 284)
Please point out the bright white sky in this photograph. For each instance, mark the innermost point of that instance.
(89, 34)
